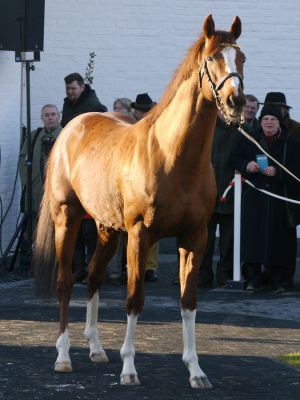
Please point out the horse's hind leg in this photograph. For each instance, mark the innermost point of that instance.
(189, 265)
(105, 249)
(67, 222)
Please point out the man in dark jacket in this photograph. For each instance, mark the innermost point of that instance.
(222, 158)
(225, 140)
(80, 99)
(250, 109)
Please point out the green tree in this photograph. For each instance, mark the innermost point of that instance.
(90, 69)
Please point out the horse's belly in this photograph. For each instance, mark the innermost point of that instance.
(106, 209)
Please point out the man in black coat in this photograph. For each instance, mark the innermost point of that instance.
(80, 99)
(250, 109)
(224, 143)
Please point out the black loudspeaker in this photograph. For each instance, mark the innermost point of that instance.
(22, 25)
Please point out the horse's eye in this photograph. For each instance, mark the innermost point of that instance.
(210, 59)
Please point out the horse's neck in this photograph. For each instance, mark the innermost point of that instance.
(184, 129)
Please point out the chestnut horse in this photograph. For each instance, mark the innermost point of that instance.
(152, 179)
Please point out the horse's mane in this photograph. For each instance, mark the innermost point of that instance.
(191, 61)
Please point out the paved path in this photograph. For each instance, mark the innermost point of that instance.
(239, 338)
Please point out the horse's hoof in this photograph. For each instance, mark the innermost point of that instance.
(99, 357)
(63, 367)
(200, 382)
(129, 379)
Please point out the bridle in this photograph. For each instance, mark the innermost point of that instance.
(203, 70)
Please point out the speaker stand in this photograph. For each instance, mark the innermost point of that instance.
(25, 225)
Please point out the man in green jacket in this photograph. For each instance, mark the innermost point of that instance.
(42, 140)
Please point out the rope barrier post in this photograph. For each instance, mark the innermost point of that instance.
(237, 283)
(237, 227)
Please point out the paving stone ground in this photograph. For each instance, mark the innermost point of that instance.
(239, 339)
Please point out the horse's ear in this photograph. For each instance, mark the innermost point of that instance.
(208, 26)
(236, 27)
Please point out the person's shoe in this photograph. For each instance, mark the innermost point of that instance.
(150, 276)
(279, 289)
(252, 287)
(115, 280)
(278, 285)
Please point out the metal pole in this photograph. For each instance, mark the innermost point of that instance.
(237, 227)
(29, 156)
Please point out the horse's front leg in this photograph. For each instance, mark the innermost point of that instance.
(189, 266)
(137, 250)
(66, 228)
(106, 247)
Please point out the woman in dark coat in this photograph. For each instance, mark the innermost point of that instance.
(264, 221)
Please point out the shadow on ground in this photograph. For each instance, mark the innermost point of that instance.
(28, 371)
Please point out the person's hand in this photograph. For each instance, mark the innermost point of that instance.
(269, 171)
(252, 167)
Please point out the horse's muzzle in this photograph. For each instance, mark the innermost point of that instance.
(235, 102)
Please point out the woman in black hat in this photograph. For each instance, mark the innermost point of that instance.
(142, 105)
(264, 221)
(278, 99)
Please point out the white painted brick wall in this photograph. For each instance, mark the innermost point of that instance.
(138, 45)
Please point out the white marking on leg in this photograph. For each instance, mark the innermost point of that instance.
(129, 374)
(189, 356)
(63, 361)
(97, 353)
(229, 55)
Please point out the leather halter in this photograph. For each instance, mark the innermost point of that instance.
(215, 87)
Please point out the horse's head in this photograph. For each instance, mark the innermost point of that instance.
(221, 69)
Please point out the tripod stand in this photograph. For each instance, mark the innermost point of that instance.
(26, 223)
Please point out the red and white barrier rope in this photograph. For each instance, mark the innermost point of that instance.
(231, 184)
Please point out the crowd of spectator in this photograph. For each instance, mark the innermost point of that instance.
(268, 225)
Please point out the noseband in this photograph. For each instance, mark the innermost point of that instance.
(216, 87)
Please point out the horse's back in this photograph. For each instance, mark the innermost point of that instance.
(84, 164)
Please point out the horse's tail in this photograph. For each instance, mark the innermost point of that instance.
(44, 260)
